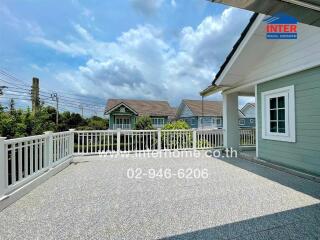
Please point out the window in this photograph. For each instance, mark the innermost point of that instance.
(158, 121)
(218, 121)
(242, 122)
(122, 109)
(278, 114)
(252, 120)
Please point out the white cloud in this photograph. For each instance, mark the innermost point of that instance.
(146, 7)
(141, 64)
(173, 3)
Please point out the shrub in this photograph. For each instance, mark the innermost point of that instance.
(180, 124)
(144, 123)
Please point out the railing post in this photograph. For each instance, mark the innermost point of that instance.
(118, 140)
(71, 142)
(3, 174)
(194, 138)
(49, 148)
(159, 139)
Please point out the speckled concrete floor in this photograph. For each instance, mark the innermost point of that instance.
(94, 199)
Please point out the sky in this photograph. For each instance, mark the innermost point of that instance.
(137, 49)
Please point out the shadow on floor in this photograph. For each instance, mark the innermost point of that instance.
(300, 223)
(297, 183)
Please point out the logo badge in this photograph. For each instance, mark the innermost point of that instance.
(281, 26)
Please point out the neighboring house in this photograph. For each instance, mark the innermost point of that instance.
(191, 112)
(204, 114)
(284, 77)
(124, 112)
(249, 119)
(249, 110)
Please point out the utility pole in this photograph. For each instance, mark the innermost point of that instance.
(55, 97)
(81, 108)
(1, 92)
(35, 95)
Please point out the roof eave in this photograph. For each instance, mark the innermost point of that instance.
(212, 90)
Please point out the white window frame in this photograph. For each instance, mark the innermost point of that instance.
(218, 120)
(290, 121)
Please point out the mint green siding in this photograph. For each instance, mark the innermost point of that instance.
(133, 117)
(304, 154)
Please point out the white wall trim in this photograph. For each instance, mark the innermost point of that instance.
(289, 135)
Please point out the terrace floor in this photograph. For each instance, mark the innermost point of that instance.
(94, 199)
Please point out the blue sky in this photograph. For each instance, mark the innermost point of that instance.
(145, 49)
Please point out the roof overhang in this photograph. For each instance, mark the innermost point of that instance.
(252, 59)
(306, 11)
(210, 90)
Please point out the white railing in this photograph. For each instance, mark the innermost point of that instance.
(95, 142)
(248, 137)
(23, 159)
(209, 138)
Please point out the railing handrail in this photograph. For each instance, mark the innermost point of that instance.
(24, 139)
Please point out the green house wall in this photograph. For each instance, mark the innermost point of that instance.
(304, 154)
(133, 117)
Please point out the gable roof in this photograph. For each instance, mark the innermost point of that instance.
(248, 105)
(210, 108)
(235, 47)
(142, 107)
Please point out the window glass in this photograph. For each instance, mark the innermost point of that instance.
(273, 103)
(277, 115)
(273, 126)
(281, 114)
(273, 114)
(281, 102)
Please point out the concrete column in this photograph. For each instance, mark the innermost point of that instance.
(194, 139)
(118, 140)
(49, 149)
(159, 139)
(231, 137)
(71, 143)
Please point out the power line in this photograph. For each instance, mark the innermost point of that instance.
(67, 99)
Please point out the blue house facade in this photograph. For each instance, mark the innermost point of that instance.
(249, 116)
(208, 115)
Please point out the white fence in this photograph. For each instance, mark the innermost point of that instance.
(248, 137)
(23, 159)
(94, 142)
(26, 158)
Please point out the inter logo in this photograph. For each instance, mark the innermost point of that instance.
(281, 26)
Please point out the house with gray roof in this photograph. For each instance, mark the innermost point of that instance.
(204, 114)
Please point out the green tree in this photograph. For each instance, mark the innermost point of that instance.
(144, 123)
(43, 121)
